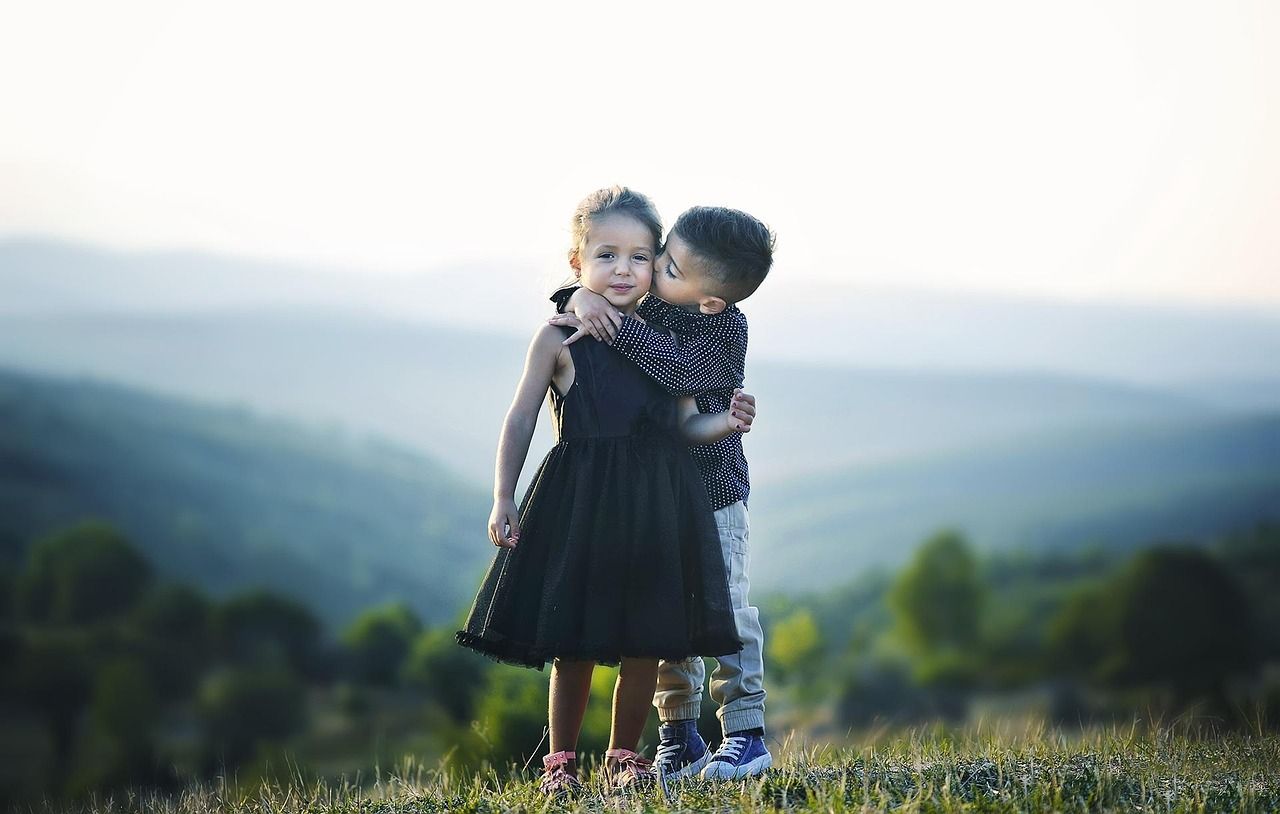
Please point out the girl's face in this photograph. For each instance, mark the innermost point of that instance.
(616, 260)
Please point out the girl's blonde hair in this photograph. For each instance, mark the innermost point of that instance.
(609, 201)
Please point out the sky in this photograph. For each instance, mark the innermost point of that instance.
(1095, 151)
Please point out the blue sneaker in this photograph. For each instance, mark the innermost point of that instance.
(738, 756)
(681, 750)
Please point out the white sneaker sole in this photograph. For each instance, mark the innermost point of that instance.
(694, 768)
(723, 770)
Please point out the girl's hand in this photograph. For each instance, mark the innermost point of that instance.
(504, 523)
(742, 410)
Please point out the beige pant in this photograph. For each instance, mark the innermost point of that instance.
(737, 683)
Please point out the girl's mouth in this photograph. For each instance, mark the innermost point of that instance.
(621, 287)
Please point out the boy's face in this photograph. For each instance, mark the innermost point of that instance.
(682, 278)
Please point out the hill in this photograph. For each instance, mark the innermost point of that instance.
(226, 499)
(444, 390)
(1179, 480)
(848, 325)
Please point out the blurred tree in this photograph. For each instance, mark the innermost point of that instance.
(1182, 620)
(1253, 558)
(177, 613)
(450, 675)
(123, 703)
(241, 708)
(1082, 635)
(794, 647)
(7, 602)
(260, 628)
(51, 675)
(379, 640)
(512, 713)
(84, 574)
(937, 603)
(119, 748)
(1173, 617)
(175, 622)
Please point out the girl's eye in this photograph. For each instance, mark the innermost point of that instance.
(606, 255)
(640, 258)
(669, 272)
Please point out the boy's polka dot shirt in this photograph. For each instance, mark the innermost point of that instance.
(706, 359)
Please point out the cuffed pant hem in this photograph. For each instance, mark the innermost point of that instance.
(682, 712)
(740, 719)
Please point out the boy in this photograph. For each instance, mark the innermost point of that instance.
(714, 258)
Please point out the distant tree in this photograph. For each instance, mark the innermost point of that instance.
(1253, 558)
(263, 629)
(937, 603)
(175, 623)
(7, 580)
(84, 574)
(379, 640)
(1182, 620)
(176, 613)
(52, 676)
(450, 675)
(241, 708)
(119, 747)
(1173, 617)
(794, 646)
(1082, 635)
(512, 713)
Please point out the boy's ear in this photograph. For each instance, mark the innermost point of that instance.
(712, 305)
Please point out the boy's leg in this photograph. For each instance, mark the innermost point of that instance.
(737, 683)
(678, 694)
(681, 750)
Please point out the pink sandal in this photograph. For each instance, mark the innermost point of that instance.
(557, 781)
(629, 770)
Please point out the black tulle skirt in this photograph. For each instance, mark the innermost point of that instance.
(618, 557)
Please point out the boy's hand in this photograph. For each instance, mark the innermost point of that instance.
(504, 523)
(742, 410)
(592, 314)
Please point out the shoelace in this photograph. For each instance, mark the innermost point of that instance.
(733, 747)
(669, 754)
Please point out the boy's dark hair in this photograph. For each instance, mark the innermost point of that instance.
(737, 248)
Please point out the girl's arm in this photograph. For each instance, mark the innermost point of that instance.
(707, 428)
(541, 364)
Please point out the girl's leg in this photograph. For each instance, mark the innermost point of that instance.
(567, 704)
(632, 696)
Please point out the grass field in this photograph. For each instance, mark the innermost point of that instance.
(930, 770)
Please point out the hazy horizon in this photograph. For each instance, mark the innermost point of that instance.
(1100, 153)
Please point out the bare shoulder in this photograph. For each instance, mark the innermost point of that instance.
(549, 337)
(548, 342)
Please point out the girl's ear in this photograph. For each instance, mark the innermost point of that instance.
(575, 263)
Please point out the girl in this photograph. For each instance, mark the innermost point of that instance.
(614, 555)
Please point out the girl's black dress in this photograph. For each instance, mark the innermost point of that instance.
(619, 554)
